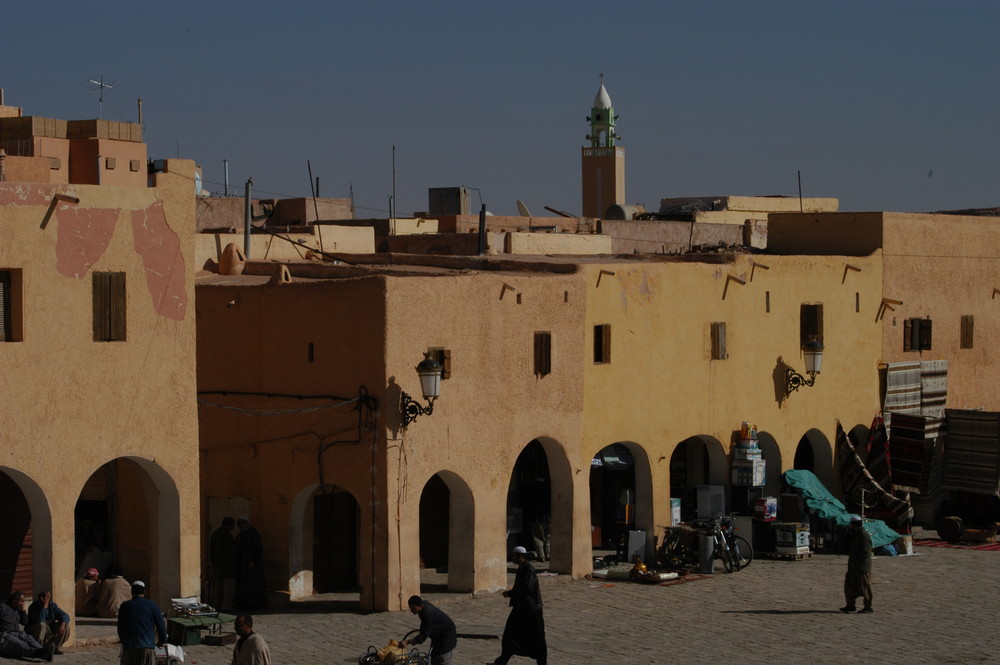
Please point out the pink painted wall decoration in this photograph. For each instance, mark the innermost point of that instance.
(160, 249)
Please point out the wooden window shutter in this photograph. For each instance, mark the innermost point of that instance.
(925, 335)
(810, 323)
(4, 306)
(719, 341)
(109, 306)
(543, 354)
(968, 321)
(602, 343)
(908, 335)
(443, 357)
(102, 296)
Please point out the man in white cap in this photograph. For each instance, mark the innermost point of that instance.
(524, 634)
(141, 628)
(858, 580)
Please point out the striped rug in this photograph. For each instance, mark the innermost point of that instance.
(971, 451)
(902, 389)
(909, 453)
(933, 394)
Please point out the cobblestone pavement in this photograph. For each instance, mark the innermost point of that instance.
(937, 606)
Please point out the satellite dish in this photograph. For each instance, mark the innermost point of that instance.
(523, 209)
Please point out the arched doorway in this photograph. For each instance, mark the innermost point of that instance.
(814, 453)
(25, 534)
(621, 495)
(697, 460)
(771, 453)
(128, 516)
(540, 495)
(447, 533)
(323, 542)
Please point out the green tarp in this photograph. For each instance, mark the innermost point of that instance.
(829, 507)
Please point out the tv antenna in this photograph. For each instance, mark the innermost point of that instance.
(101, 85)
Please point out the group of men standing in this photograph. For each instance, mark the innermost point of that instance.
(236, 554)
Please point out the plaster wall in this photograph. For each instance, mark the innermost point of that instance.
(755, 203)
(667, 237)
(255, 339)
(81, 403)
(944, 267)
(338, 239)
(297, 211)
(845, 233)
(661, 385)
(556, 243)
(25, 169)
(489, 410)
(83, 166)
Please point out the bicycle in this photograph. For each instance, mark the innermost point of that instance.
(739, 548)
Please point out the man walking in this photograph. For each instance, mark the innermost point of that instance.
(47, 623)
(250, 649)
(14, 642)
(436, 625)
(858, 580)
(524, 634)
(141, 628)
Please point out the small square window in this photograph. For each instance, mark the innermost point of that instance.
(719, 341)
(134, 165)
(602, 344)
(966, 332)
(443, 358)
(917, 335)
(543, 354)
(109, 306)
(110, 163)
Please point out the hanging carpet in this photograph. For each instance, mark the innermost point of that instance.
(971, 451)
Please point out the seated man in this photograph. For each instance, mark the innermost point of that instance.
(87, 588)
(47, 623)
(115, 590)
(14, 642)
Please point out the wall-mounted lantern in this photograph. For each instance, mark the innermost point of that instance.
(812, 352)
(429, 371)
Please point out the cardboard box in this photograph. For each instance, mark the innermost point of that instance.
(748, 473)
(781, 549)
(793, 535)
(765, 509)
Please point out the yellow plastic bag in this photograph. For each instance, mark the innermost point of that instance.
(389, 654)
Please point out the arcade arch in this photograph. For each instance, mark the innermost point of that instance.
(128, 515)
(25, 533)
(324, 542)
(447, 530)
(814, 453)
(621, 493)
(540, 493)
(697, 460)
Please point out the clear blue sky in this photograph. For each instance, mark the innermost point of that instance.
(886, 105)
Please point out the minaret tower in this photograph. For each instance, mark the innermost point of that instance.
(603, 159)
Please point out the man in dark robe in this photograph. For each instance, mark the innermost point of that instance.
(250, 590)
(858, 580)
(524, 634)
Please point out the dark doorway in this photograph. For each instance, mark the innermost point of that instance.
(529, 501)
(335, 542)
(16, 572)
(804, 459)
(612, 495)
(435, 517)
(689, 467)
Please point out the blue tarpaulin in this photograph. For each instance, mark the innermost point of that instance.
(829, 507)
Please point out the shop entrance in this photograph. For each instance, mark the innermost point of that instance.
(16, 565)
(529, 502)
(335, 542)
(447, 534)
(612, 495)
(697, 460)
